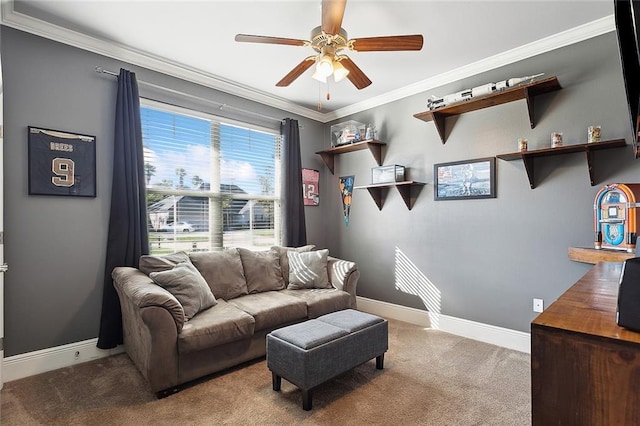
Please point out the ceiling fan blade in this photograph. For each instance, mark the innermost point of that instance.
(388, 43)
(247, 38)
(332, 14)
(356, 76)
(296, 72)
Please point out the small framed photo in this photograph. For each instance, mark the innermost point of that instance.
(61, 163)
(462, 180)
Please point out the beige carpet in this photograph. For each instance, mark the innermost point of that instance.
(430, 378)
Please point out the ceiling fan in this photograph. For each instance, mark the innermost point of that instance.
(329, 40)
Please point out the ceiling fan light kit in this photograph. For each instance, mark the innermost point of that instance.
(329, 40)
(339, 71)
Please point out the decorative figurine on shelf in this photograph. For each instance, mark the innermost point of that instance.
(369, 132)
(482, 90)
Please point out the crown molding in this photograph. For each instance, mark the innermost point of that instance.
(565, 38)
(13, 19)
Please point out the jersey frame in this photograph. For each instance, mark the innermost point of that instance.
(55, 156)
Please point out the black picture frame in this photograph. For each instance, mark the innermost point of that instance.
(465, 180)
(61, 163)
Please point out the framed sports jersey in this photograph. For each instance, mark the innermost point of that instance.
(61, 163)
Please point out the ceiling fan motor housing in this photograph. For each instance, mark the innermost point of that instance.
(320, 39)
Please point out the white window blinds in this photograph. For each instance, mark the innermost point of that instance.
(211, 183)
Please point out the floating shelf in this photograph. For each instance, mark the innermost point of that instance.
(404, 188)
(523, 91)
(593, 256)
(375, 146)
(528, 156)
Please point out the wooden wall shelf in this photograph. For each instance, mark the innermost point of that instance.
(524, 91)
(404, 188)
(375, 146)
(593, 256)
(588, 148)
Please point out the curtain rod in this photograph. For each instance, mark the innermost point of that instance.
(219, 105)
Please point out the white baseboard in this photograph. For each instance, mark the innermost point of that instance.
(27, 364)
(499, 336)
(31, 363)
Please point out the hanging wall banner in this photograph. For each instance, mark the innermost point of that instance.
(310, 187)
(346, 189)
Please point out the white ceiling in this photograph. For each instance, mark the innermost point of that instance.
(195, 40)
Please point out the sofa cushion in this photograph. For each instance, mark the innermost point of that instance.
(308, 270)
(262, 270)
(284, 260)
(322, 301)
(222, 270)
(223, 323)
(187, 285)
(272, 308)
(149, 263)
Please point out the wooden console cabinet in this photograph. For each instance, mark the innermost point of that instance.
(585, 369)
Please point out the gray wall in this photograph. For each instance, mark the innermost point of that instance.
(55, 246)
(482, 260)
(485, 260)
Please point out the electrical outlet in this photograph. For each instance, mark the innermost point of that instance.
(76, 356)
(538, 305)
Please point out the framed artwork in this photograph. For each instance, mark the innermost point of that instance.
(462, 180)
(310, 187)
(61, 163)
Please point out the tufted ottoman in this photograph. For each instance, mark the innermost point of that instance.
(312, 352)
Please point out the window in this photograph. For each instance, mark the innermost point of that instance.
(211, 182)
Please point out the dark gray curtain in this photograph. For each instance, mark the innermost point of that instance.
(128, 236)
(294, 226)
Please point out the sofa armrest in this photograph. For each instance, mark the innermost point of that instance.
(140, 290)
(344, 275)
(151, 320)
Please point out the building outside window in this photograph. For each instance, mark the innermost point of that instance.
(211, 183)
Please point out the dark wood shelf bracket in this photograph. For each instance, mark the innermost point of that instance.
(438, 120)
(530, 102)
(376, 151)
(328, 160)
(377, 191)
(528, 166)
(376, 194)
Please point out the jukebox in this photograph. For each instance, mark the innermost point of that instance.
(614, 216)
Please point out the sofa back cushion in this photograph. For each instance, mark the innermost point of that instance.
(222, 270)
(308, 269)
(284, 260)
(187, 285)
(262, 270)
(150, 263)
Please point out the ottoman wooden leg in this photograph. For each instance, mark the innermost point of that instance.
(306, 400)
(276, 381)
(380, 362)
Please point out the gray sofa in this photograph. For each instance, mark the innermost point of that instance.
(189, 315)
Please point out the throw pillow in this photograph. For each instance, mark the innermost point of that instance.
(308, 269)
(148, 263)
(262, 270)
(284, 260)
(222, 270)
(187, 285)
